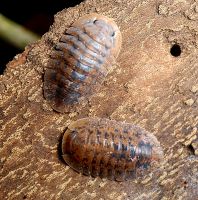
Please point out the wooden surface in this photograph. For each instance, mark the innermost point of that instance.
(149, 87)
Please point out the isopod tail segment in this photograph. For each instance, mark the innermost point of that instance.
(110, 149)
(80, 61)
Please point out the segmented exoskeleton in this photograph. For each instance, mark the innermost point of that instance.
(109, 149)
(80, 61)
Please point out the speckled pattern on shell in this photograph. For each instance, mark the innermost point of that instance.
(81, 60)
(109, 149)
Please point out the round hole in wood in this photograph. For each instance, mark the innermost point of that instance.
(175, 50)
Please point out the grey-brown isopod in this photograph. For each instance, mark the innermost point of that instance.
(109, 149)
(81, 60)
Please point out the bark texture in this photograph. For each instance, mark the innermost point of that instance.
(149, 87)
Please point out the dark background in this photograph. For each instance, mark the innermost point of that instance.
(35, 15)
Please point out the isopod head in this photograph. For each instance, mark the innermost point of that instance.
(105, 29)
(81, 60)
(109, 149)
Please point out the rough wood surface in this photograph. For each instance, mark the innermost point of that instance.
(149, 87)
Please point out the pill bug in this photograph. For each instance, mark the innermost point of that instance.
(80, 61)
(109, 149)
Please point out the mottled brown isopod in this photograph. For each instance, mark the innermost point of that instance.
(109, 149)
(81, 60)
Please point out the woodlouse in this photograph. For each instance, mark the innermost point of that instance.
(80, 61)
(109, 149)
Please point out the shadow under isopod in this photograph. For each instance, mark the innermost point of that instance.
(59, 147)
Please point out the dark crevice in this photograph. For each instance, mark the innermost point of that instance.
(191, 149)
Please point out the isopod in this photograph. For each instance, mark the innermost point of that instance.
(80, 61)
(109, 149)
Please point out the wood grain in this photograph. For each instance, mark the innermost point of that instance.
(149, 87)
